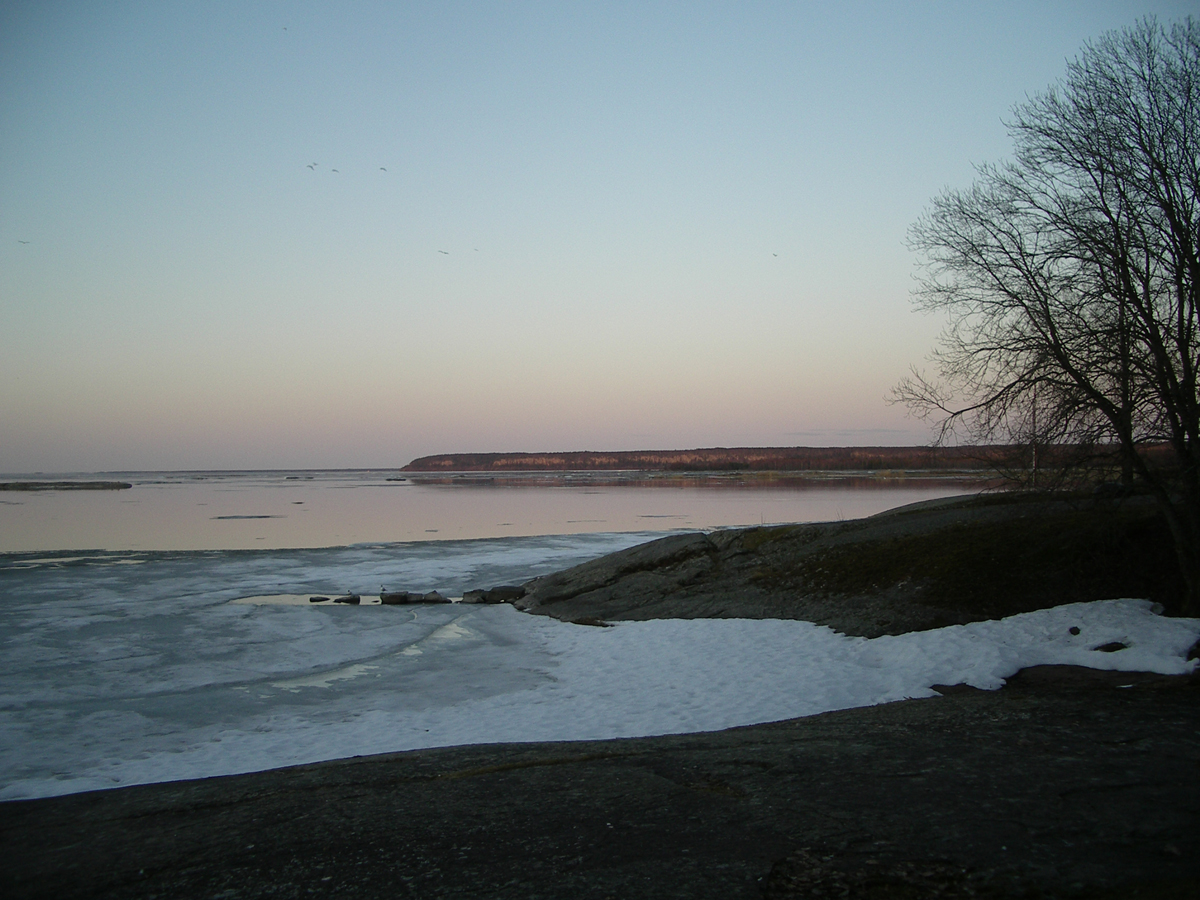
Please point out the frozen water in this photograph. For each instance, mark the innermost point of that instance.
(125, 668)
(105, 652)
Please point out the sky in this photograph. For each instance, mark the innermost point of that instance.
(315, 235)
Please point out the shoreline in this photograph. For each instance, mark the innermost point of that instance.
(930, 564)
(1066, 783)
(65, 485)
(750, 479)
(987, 458)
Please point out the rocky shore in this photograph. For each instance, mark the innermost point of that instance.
(928, 565)
(1067, 783)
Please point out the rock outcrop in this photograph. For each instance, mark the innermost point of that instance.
(402, 598)
(506, 593)
(926, 566)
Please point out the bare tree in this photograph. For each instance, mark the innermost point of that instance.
(1069, 275)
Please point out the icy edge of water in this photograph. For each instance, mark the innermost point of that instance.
(639, 679)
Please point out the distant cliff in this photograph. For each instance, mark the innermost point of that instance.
(792, 459)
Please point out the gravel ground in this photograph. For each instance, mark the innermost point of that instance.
(1066, 783)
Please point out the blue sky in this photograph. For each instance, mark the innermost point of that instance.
(601, 226)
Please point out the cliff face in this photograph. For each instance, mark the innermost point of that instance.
(723, 458)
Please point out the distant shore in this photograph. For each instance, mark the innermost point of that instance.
(990, 459)
(733, 459)
(974, 479)
(64, 485)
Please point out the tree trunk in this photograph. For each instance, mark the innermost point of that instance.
(1183, 518)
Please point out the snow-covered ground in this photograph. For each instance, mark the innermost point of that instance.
(128, 668)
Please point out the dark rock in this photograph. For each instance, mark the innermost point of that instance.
(505, 593)
(400, 598)
(948, 562)
(1111, 647)
(636, 577)
(318, 599)
(352, 599)
(947, 689)
(1074, 629)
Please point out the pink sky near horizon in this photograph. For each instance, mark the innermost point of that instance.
(552, 226)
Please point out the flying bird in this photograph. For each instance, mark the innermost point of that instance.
(334, 170)
(312, 166)
(447, 252)
(382, 169)
(19, 241)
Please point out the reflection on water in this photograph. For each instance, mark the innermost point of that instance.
(277, 510)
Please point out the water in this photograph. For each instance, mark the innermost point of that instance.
(128, 654)
(278, 510)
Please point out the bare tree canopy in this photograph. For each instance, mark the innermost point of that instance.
(1069, 274)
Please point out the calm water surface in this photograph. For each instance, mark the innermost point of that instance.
(279, 510)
